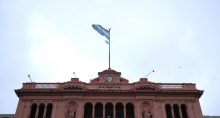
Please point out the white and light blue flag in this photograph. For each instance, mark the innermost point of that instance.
(103, 32)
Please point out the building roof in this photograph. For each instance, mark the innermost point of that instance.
(211, 116)
(6, 115)
(110, 82)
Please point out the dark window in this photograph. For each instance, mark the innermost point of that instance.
(99, 110)
(119, 110)
(41, 111)
(33, 110)
(184, 111)
(49, 110)
(168, 111)
(109, 110)
(88, 110)
(129, 110)
(176, 111)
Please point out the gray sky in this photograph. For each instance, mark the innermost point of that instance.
(51, 39)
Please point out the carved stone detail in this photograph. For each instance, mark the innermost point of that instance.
(71, 110)
(147, 110)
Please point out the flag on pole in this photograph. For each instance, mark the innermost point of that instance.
(102, 31)
(107, 42)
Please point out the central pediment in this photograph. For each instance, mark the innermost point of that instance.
(109, 76)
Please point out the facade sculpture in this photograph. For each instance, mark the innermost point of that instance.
(146, 110)
(71, 110)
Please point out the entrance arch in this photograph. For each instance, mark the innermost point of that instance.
(109, 110)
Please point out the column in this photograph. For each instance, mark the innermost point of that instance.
(54, 110)
(180, 111)
(103, 113)
(80, 110)
(45, 111)
(162, 108)
(37, 110)
(124, 111)
(172, 112)
(93, 111)
(137, 110)
(114, 111)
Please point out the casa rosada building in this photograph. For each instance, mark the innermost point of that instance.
(108, 96)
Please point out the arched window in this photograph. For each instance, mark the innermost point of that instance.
(41, 110)
(49, 110)
(119, 110)
(88, 109)
(33, 110)
(129, 110)
(98, 110)
(176, 111)
(109, 110)
(184, 111)
(168, 111)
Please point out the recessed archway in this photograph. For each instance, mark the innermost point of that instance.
(129, 110)
(49, 110)
(109, 110)
(119, 110)
(168, 111)
(41, 110)
(176, 111)
(88, 109)
(184, 111)
(33, 110)
(98, 110)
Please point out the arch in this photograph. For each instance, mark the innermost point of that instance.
(119, 110)
(88, 109)
(184, 111)
(168, 111)
(129, 110)
(49, 110)
(109, 110)
(176, 111)
(33, 110)
(98, 110)
(41, 110)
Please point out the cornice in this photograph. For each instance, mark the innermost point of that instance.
(67, 92)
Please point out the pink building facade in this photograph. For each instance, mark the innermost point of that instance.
(108, 96)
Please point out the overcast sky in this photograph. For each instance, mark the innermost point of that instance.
(51, 39)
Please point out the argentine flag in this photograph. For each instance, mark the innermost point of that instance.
(103, 32)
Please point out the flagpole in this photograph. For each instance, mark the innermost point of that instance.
(105, 33)
(109, 54)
